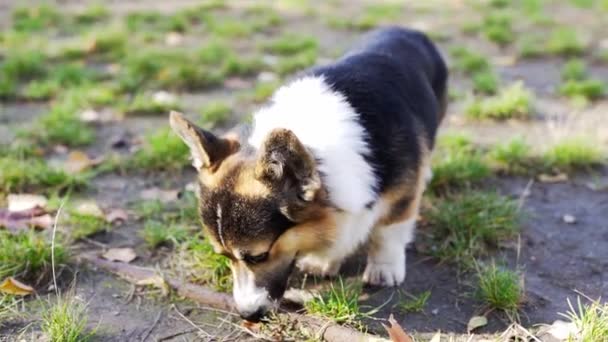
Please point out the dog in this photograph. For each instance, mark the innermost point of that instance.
(339, 158)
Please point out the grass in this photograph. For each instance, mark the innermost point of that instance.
(162, 151)
(574, 70)
(289, 44)
(92, 14)
(263, 90)
(468, 225)
(500, 288)
(469, 62)
(147, 104)
(572, 153)
(84, 225)
(156, 234)
(214, 52)
(513, 102)
(9, 307)
(36, 18)
(66, 321)
(486, 82)
(27, 255)
(531, 46)
(512, 157)
(203, 265)
(62, 126)
(413, 303)
(497, 28)
(457, 163)
(340, 302)
(577, 86)
(590, 320)
(566, 42)
(290, 64)
(216, 113)
(19, 174)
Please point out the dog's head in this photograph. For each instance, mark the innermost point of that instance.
(260, 208)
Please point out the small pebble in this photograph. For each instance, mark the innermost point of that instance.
(435, 311)
(569, 219)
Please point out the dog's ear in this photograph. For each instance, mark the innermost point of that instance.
(207, 150)
(284, 163)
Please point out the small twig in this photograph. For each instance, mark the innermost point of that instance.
(246, 330)
(190, 322)
(171, 336)
(524, 194)
(151, 328)
(53, 247)
(93, 242)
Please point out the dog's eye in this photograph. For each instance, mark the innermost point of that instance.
(255, 259)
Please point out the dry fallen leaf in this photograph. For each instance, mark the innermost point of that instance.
(120, 254)
(16, 221)
(396, 332)
(12, 286)
(78, 161)
(90, 208)
(558, 178)
(21, 202)
(159, 194)
(117, 216)
(562, 330)
(476, 322)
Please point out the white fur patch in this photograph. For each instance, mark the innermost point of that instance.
(325, 122)
(248, 297)
(386, 262)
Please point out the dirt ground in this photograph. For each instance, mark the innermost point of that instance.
(558, 260)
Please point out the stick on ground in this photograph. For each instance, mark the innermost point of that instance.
(326, 330)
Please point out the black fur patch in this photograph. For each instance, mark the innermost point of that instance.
(244, 219)
(395, 82)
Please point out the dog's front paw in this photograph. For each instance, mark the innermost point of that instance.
(317, 265)
(384, 274)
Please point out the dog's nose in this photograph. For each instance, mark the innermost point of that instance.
(253, 316)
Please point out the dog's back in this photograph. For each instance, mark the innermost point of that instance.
(396, 81)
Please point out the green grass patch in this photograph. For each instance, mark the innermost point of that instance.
(215, 52)
(162, 150)
(574, 70)
(84, 225)
(156, 234)
(66, 321)
(290, 64)
(457, 163)
(531, 46)
(36, 18)
(590, 320)
(497, 28)
(289, 44)
(469, 62)
(9, 307)
(92, 14)
(486, 82)
(202, 265)
(500, 288)
(27, 255)
(583, 91)
(263, 91)
(216, 113)
(565, 41)
(147, 104)
(410, 303)
(513, 102)
(512, 157)
(18, 174)
(572, 153)
(468, 225)
(339, 303)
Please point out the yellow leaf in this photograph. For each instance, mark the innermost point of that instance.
(12, 286)
(120, 254)
(77, 162)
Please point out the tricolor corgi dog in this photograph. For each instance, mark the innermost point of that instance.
(338, 159)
